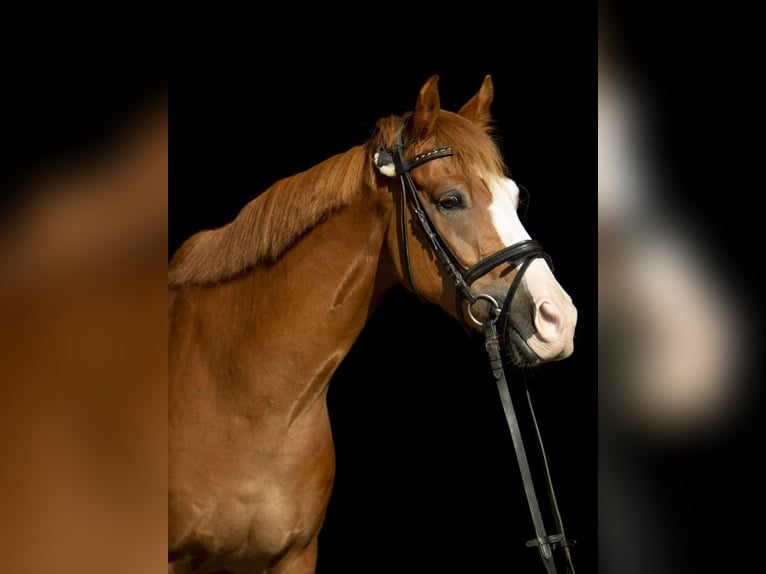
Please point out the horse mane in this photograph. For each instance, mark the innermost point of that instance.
(272, 222)
(275, 220)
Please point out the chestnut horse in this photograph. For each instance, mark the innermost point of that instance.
(264, 309)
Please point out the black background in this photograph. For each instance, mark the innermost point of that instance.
(426, 475)
(696, 68)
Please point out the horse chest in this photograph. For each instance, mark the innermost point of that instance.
(258, 499)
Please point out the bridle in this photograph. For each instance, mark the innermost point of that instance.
(521, 254)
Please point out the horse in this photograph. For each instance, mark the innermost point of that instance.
(263, 310)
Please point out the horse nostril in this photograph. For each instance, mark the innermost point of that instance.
(548, 321)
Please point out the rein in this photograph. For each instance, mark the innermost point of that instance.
(521, 254)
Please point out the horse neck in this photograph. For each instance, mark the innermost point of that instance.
(278, 333)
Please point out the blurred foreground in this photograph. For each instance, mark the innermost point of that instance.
(678, 396)
(83, 247)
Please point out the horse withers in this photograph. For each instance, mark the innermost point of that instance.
(265, 308)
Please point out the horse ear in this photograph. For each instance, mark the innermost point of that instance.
(427, 108)
(477, 108)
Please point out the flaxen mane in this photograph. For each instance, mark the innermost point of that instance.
(271, 223)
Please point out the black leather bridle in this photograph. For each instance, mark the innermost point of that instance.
(521, 254)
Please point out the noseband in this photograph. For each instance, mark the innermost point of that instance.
(521, 254)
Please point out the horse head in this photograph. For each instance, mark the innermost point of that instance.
(457, 240)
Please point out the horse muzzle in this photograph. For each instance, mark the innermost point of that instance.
(537, 331)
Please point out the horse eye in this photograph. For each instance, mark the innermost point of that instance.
(450, 201)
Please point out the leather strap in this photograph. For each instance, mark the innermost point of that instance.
(518, 251)
(545, 543)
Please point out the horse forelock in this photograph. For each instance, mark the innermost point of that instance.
(272, 222)
(475, 147)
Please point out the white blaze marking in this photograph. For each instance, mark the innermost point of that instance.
(505, 198)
